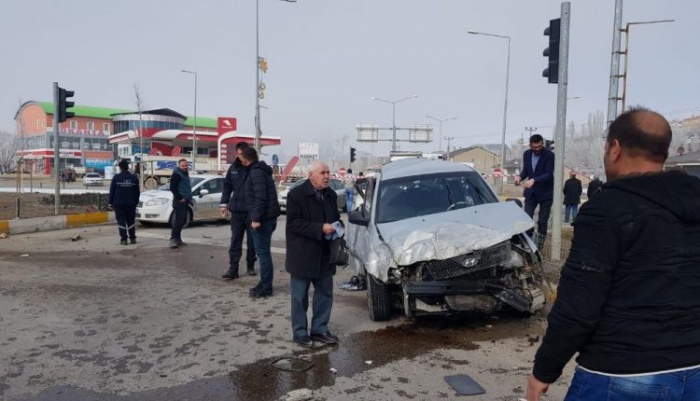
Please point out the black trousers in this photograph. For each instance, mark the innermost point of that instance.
(543, 214)
(180, 210)
(239, 227)
(126, 215)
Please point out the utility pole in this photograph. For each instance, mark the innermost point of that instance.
(449, 139)
(615, 64)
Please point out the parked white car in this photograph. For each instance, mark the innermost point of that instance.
(432, 237)
(92, 179)
(334, 184)
(155, 206)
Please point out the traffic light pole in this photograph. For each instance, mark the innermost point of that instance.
(560, 134)
(56, 169)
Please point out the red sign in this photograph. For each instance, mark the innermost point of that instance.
(226, 124)
(497, 172)
(288, 168)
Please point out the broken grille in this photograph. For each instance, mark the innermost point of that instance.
(455, 267)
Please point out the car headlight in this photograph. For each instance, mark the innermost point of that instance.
(157, 202)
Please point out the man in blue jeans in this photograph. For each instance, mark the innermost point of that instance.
(349, 182)
(263, 209)
(628, 300)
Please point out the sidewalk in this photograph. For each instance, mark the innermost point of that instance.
(60, 222)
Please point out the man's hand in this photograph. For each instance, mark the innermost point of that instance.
(255, 225)
(517, 180)
(535, 388)
(328, 229)
(224, 211)
(528, 183)
(183, 200)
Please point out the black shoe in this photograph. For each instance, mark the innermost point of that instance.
(258, 293)
(326, 338)
(304, 342)
(180, 243)
(133, 241)
(173, 244)
(230, 275)
(123, 242)
(251, 271)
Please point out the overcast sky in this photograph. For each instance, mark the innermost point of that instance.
(327, 58)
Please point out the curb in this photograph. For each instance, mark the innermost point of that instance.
(50, 223)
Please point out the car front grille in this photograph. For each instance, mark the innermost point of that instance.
(481, 260)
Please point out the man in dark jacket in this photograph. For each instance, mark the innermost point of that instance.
(538, 169)
(263, 209)
(572, 197)
(123, 197)
(233, 204)
(181, 188)
(628, 296)
(312, 209)
(594, 187)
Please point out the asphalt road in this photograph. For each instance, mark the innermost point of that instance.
(93, 320)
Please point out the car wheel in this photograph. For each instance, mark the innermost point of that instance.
(188, 219)
(378, 299)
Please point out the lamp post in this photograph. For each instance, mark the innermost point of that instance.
(258, 132)
(449, 139)
(440, 125)
(505, 103)
(626, 30)
(393, 116)
(194, 131)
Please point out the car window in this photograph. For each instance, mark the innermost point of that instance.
(402, 198)
(369, 194)
(214, 186)
(336, 185)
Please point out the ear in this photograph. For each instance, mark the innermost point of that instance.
(615, 150)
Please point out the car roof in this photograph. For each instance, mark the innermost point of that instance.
(419, 166)
(205, 176)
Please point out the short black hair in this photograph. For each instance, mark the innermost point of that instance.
(349, 171)
(123, 164)
(250, 154)
(241, 145)
(640, 136)
(536, 138)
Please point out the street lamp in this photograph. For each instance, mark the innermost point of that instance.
(258, 132)
(626, 30)
(449, 139)
(194, 131)
(440, 125)
(393, 116)
(505, 104)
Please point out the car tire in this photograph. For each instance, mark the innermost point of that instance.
(188, 219)
(145, 223)
(378, 299)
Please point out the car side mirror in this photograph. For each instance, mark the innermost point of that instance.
(516, 200)
(358, 218)
(203, 192)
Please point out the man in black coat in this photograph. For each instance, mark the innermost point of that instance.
(572, 197)
(312, 209)
(233, 204)
(538, 176)
(628, 299)
(262, 208)
(123, 197)
(594, 187)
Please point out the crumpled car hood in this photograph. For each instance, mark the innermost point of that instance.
(444, 235)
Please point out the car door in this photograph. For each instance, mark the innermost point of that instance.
(207, 198)
(339, 188)
(358, 236)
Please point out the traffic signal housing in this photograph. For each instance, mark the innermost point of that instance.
(552, 52)
(64, 104)
(352, 155)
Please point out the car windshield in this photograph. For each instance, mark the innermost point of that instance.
(193, 181)
(92, 175)
(402, 198)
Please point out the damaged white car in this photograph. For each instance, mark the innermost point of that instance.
(432, 237)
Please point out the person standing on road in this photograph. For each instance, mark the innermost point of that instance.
(572, 197)
(123, 197)
(594, 187)
(181, 188)
(233, 204)
(538, 168)
(262, 207)
(628, 299)
(349, 182)
(311, 212)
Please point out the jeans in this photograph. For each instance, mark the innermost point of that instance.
(349, 194)
(677, 386)
(239, 227)
(543, 215)
(125, 215)
(180, 210)
(323, 303)
(262, 240)
(571, 210)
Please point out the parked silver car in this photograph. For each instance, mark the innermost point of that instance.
(432, 237)
(334, 184)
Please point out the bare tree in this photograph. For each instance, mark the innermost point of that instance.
(8, 146)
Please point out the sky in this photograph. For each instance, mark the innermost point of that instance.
(328, 58)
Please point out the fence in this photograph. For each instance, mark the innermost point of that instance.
(28, 205)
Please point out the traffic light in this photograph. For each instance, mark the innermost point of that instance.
(352, 155)
(552, 52)
(64, 104)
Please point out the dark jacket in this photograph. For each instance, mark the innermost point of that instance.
(260, 193)
(307, 249)
(628, 298)
(543, 190)
(180, 186)
(593, 187)
(572, 191)
(124, 189)
(232, 194)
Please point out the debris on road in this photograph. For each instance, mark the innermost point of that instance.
(334, 370)
(464, 385)
(368, 362)
(76, 237)
(303, 394)
(24, 255)
(3, 235)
